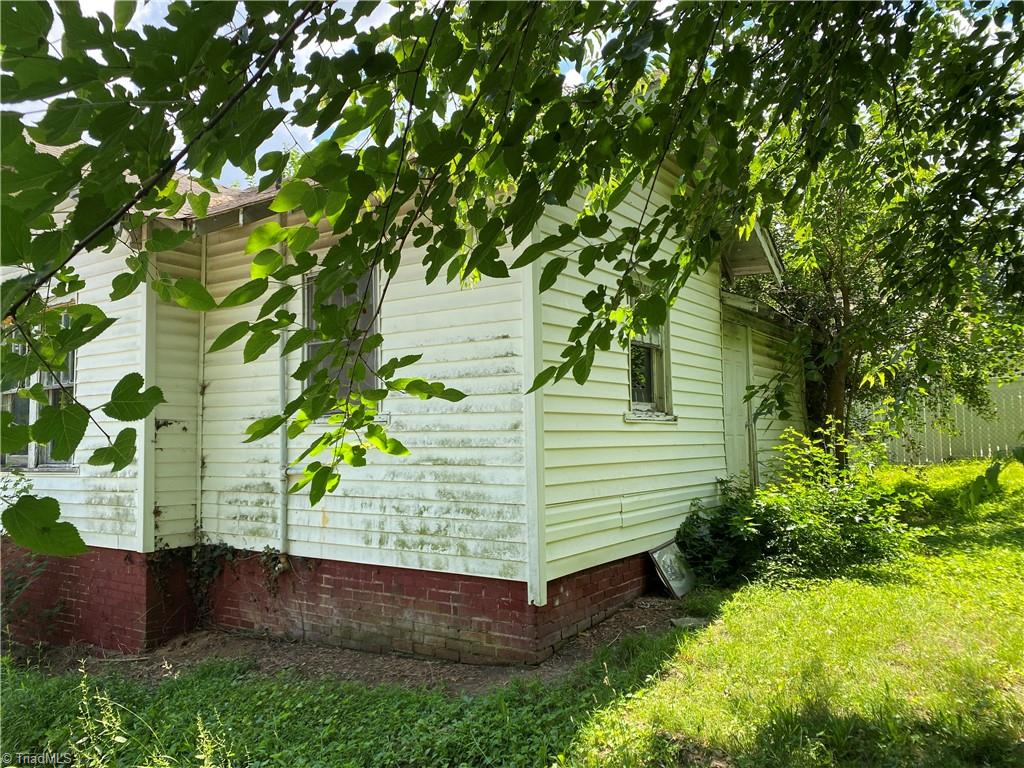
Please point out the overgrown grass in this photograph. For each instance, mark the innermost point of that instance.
(238, 717)
(917, 663)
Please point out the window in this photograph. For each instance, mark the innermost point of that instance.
(19, 408)
(648, 375)
(333, 364)
(25, 410)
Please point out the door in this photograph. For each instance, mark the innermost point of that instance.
(736, 373)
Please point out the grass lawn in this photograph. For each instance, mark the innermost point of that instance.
(918, 663)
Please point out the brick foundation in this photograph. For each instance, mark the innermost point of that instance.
(118, 600)
(448, 616)
(128, 602)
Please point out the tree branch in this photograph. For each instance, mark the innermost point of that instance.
(170, 164)
(56, 378)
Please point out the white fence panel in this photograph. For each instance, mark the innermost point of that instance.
(973, 436)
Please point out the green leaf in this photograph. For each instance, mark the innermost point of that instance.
(123, 12)
(245, 293)
(533, 252)
(265, 236)
(277, 299)
(301, 238)
(125, 284)
(425, 390)
(128, 402)
(265, 263)
(25, 24)
(190, 293)
(199, 203)
(263, 427)
(542, 378)
(13, 437)
(379, 64)
(120, 454)
(62, 427)
(551, 272)
(581, 368)
(319, 483)
(290, 196)
(257, 344)
(32, 523)
(376, 436)
(165, 239)
(229, 336)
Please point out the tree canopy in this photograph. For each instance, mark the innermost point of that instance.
(453, 127)
(863, 345)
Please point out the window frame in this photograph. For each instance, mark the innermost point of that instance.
(658, 342)
(36, 456)
(309, 288)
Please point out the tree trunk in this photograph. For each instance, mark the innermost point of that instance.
(834, 411)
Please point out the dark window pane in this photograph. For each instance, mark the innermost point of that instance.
(58, 397)
(18, 408)
(336, 368)
(641, 373)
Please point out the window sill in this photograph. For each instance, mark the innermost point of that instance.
(44, 470)
(648, 417)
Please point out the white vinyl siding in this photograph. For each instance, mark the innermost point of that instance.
(102, 504)
(615, 487)
(755, 351)
(176, 422)
(767, 346)
(457, 504)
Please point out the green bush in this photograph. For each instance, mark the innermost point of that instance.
(818, 517)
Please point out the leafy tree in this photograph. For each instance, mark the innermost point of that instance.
(862, 341)
(450, 126)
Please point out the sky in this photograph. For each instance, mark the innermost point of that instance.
(152, 13)
(285, 137)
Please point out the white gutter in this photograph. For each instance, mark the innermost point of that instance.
(282, 432)
(200, 393)
(533, 436)
(770, 251)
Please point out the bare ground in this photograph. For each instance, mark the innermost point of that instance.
(270, 656)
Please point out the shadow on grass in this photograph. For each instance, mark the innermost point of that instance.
(706, 601)
(982, 733)
(983, 729)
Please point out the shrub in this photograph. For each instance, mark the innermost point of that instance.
(818, 518)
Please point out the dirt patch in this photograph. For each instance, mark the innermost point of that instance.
(269, 656)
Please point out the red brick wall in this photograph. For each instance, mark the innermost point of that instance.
(376, 608)
(128, 601)
(118, 600)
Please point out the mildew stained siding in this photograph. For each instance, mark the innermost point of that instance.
(755, 352)
(457, 504)
(239, 480)
(526, 488)
(767, 346)
(103, 505)
(176, 423)
(613, 488)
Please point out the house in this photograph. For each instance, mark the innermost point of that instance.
(517, 521)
